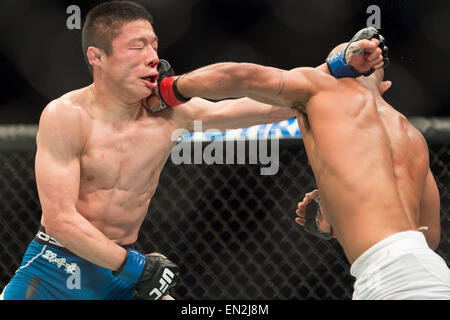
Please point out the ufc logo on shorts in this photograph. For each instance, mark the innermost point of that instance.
(165, 280)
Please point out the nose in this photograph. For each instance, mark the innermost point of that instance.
(151, 58)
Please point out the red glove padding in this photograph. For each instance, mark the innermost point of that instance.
(168, 92)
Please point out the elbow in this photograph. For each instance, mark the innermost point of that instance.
(56, 227)
(52, 228)
(282, 113)
(287, 113)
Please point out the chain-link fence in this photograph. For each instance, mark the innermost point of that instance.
(231, 230)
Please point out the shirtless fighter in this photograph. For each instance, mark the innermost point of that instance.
(100, 152)
(370, 164)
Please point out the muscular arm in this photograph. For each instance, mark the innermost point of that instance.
(430, 212)
(264, 84)
(229, 114)
(59, 145)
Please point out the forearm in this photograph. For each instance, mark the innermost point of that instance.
(79, 236)
(237, 113)
(217, 81)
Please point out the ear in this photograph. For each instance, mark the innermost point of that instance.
(94, 56)
(385, 85)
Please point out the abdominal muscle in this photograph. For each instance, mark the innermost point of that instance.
(119, 209)
(116, 213)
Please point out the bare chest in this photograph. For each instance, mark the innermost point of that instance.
(125, 159)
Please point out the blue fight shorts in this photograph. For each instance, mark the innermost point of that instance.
(51, 272)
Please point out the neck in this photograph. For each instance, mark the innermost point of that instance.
(113, 108)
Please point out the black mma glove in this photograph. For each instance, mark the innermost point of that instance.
(338, 64)
(167, 86)
(159, 275)
(153, 275)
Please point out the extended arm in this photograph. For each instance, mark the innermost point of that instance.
(229, 114)
(264, 84)
(276, 86)
(270, 85)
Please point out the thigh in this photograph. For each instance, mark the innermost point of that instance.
(30, 280)
(48, 273)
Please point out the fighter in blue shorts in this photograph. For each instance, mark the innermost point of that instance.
(100, 152)
(50, 271)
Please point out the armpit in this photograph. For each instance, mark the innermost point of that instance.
(302, 116)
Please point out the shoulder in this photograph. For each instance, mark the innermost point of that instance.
(314, 79)
(321, 81)
(58, 112)
(63, 117)
(312, 74)
(68, 107)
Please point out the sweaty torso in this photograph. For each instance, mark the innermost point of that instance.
(120, 167)
(370, 165)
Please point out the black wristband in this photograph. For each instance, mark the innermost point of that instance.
(178, 95)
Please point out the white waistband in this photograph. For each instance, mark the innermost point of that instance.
(395, 244)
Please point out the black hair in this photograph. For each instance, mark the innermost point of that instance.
(104, 21)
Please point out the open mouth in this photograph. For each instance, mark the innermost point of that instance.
(151, 81)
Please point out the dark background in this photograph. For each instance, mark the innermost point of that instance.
(41, 59)
(244, 244)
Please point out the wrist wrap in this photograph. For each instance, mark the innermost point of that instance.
(132, 266)
(339, 67)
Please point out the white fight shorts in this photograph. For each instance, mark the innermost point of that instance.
(401, 267)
